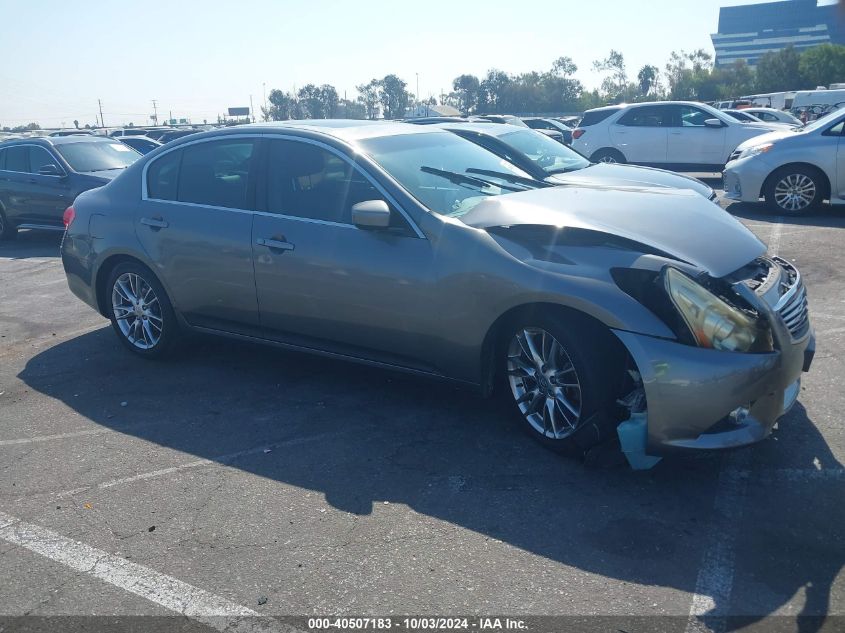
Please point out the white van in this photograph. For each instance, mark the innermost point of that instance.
(818, 97)
(776, 100)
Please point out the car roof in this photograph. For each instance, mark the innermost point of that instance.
(348, 130)
(641, 104)
(60, 140)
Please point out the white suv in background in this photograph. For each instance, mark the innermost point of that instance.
(680, 135)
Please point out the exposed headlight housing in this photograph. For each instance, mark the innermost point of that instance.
(754, 151)
(712, 322)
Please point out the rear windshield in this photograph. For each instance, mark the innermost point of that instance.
(596, 116)
(88, 157)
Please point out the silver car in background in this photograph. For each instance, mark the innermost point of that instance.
(794, 170)
(408, 247)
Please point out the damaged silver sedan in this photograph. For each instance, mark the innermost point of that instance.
(647, 314)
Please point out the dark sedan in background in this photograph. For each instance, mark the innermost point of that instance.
(141, 144)
(41, 177)
(557, 164)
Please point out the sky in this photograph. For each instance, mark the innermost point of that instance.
(197, 58)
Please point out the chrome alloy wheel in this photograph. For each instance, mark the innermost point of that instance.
(137, 311)
(795, 192)
(610, 159)
(544, 383)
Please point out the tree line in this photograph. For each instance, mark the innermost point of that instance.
(686, 75)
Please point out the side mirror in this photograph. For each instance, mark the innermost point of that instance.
(371, 214)
(50, 170)
(713, 123)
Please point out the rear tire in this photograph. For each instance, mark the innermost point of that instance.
(8, 231)
(608, 155)
(795, 190)
(561, 377)
(140, 311)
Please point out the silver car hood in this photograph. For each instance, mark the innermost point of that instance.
(680, 223)
(628, 175)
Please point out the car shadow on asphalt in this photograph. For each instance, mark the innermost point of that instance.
(826, 216)
(379, 436)
(32, 244)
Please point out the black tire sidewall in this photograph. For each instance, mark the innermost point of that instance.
(170, 331)
(616, 154)
(781, 173)
(8, 231)
(586, 350)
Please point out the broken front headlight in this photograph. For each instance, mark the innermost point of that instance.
(712, 322)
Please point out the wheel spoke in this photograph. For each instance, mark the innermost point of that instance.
(570, 419)
(550, 412)
(533, 354)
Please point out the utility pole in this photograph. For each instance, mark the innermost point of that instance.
(264, 90)
(155, 112)
(418, 90)
(171, 118)
(100, 103)
(251, 111)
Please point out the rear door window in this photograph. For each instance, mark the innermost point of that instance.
(163, 176)
(217, 173)
(17, 158)
(648, 116)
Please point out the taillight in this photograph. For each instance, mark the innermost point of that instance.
(68, 217)
(578, 133)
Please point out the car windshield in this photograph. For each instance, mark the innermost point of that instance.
(88, 157)
(447, 174)
(822, 122)
(551, 156)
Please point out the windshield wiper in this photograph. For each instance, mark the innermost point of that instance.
(457, 177)
(519, 180)
(565, 170)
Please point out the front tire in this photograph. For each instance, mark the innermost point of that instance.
(140, 311)
(608, 155)
(560, 377)
(8, 231)
(795, 190)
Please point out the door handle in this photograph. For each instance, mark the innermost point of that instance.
(155, 223)
(273, 243)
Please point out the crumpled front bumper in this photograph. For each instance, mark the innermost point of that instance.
(691, 391)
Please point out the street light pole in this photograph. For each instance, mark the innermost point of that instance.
(418, 90)
(264, 89)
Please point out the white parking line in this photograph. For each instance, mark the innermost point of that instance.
(774, 238)
(161, 589)
(220, 459)
(48, 438)
(714, 583)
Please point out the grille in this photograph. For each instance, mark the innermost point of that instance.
(792, 306)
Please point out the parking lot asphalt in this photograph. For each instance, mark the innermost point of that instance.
(283, 484)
